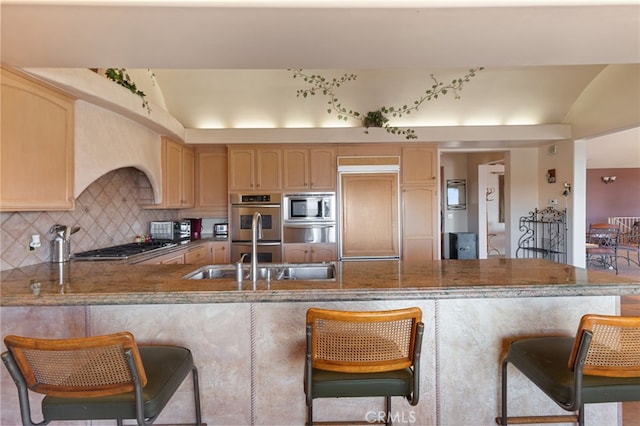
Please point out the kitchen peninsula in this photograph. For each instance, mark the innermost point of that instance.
(249, 345)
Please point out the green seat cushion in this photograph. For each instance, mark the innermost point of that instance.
(334, 384)
(166, 368)
(545, 361)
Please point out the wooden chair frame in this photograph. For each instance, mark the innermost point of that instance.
(606, 346)
(85, 367)
(363, 342)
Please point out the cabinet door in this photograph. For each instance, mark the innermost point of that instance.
(211, 180)
(172, 174)
(220, 252)
(198, 255)
(370, 215)
(295, 253)
(323, 252)
(36, 146)
(187, 198)
(419, 213)
(419, 165)
(322, 169)
(241, 170)
(269, 170)
(296, 169)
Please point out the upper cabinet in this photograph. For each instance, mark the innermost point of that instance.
(211, 196)
(255, 169)
(36, 145)
(178, 165)
(419, 165)
(310, 169)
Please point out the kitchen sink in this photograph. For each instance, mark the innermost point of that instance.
(274, 272)
(210, 272)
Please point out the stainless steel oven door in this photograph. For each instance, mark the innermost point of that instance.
(309, 233)
(267, 252)
(242, 216)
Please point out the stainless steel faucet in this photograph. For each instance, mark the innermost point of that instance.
(256, 234)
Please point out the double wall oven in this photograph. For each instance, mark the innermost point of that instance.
(243, 207)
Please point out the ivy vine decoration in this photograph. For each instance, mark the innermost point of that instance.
(380, 117)
(121, 77)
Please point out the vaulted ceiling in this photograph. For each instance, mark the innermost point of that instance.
(224, 64)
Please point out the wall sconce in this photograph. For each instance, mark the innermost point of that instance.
(608, 179)
(567, 189)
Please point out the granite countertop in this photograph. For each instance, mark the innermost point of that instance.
(114, 283)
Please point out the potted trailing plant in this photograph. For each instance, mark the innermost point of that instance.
(380, 117)
(121, 77)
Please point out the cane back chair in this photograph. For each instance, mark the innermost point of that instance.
(601, 364)
(363, 354)
(101, 377)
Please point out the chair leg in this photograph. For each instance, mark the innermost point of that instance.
(503, 419)
(387, 411)
(119, 422)
(196, 395)
(581, 415)
(310, 413)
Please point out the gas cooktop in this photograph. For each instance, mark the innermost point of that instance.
(123, 251)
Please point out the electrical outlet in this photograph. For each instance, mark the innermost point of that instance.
(35, 242)
(553, 202)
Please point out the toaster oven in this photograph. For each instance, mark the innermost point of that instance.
(175, 231)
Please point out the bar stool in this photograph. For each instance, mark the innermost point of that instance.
(360, 354)
(601, 364)
(101, 377)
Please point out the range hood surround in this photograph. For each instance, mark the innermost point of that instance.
(106, 141)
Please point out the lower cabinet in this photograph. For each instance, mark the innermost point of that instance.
(219, 252)
(198, 255)
(301, 253)
(167, 259)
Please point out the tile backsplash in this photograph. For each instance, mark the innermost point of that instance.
(108, 213)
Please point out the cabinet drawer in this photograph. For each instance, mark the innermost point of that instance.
(196, 255)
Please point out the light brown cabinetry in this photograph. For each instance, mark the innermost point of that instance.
(195, 254)
(173, 258)
(255, 169)
(178, 168)
(419, 203)
(211, 187)
(198, 255)
(419, 165)
(301, 253)
(419, 210)
(369, 215)
(36, 145)
(310, 168)
(219, 252)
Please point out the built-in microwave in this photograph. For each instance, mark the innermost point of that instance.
(309, 207)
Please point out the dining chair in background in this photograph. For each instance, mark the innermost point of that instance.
(630, 243)
(605, 238)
